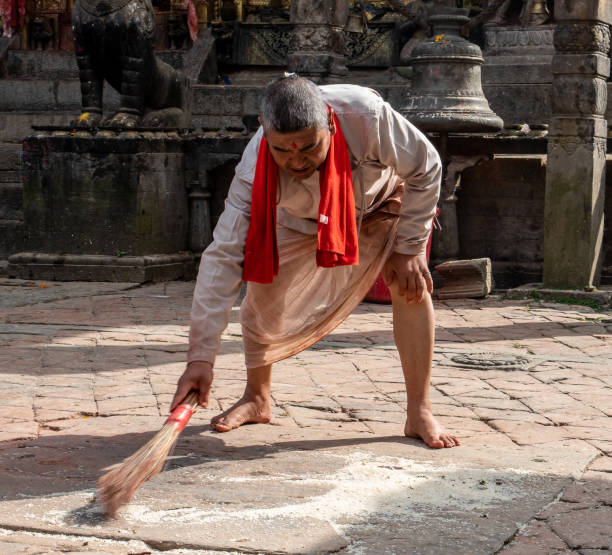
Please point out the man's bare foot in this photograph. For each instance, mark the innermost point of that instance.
(249, 409)
(422, 424)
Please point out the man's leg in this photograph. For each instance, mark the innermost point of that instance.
(413, 330)
(254, 406)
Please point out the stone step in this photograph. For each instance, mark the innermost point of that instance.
(55, 64)
(15, 126)
(11, 238)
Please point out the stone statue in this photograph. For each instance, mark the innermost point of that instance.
(114, 42)
(41, 33)
(178, 33)
(499, 12)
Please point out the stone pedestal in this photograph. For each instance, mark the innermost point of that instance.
(318, 38)
(517, 73)
(575, 177)
(104, 207)
(518, 55)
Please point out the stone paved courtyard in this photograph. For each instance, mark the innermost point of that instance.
(87, 372)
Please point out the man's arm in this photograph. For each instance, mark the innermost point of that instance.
(219, 281)
(400, 145)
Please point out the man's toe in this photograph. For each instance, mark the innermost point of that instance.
(436, 443)
(231, 422)
(221, 427)
(450, 441)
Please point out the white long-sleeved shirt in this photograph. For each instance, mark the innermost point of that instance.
(384, 149)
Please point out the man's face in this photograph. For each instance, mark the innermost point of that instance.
(299, 153)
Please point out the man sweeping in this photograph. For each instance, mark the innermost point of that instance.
(334, 188)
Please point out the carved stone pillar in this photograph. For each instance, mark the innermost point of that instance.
(317, 49)
(575, 176)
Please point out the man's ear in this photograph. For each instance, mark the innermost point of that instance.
(330, 122)
(262, 125)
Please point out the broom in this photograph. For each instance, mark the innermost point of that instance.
(118, 485)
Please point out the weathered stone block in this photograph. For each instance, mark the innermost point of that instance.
(9, 156)
(590, 10)
(574, 207)
(11, 238)
(588, 64)
(578, 127)
(500, 209)
(114, 194)
(520, 103)
(128, 269)
(26, 95)
(11, 201)
(580, 95)
(52, 64)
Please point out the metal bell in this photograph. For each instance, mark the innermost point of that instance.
(354, 23)
(446, 93)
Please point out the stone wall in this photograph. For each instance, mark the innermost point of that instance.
(11, 201)
(501, 216)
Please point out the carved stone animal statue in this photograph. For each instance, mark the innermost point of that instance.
(178, 33)
(41, 33)
(114, 42)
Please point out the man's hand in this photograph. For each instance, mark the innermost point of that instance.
(410, 275)
(198, 376)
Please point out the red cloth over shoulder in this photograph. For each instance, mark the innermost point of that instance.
(337, 243)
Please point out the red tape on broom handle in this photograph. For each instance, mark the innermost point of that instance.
(180, 416)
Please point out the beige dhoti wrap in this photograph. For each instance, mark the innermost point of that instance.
(307, 302)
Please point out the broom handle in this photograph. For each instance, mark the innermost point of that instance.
(183, 412)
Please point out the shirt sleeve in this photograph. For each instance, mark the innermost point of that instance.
(400, 145)
(220, 274)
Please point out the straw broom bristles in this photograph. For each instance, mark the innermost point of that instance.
(118, 485)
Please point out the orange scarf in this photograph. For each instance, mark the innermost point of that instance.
(337, 243)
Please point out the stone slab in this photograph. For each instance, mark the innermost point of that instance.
(344, 480)
(291, 491)
(134, 269)
(17, 292)
(601, 297)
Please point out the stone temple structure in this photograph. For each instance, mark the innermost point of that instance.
(154, 194)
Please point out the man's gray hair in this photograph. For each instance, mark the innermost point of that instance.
(291, 104)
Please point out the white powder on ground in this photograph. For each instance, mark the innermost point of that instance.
(390, 487)
(366, 491)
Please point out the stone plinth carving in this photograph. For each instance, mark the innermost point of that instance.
(114, 42)
(266, 44)
(575, 177)
(518, 54)
(519, 40)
